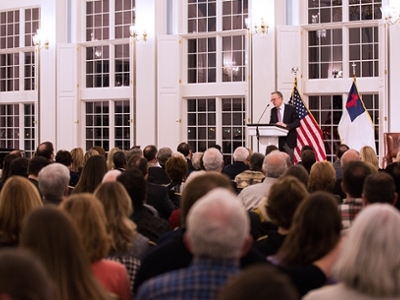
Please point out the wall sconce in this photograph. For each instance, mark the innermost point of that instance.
(38, 41)
(257, 29)
(390, 14)
(133, 32)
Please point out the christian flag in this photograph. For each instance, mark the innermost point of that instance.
(355, 127)
(309, 132)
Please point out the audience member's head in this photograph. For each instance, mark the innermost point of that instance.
(19, 167)
(274, 164)
(99, 150)
(111, 176)
(77, 160)
(367, 154)
(110, 158)
(218, 226)
(341, 150)
(270, 148)
(53, 182)
(262, 282)
(216, 146)
(45, 149)
(17, 198)
(23, 276)
(306, 147)
(322, 177)
(150, 153)
(176, 168)
(197, 161)
(117, 207)
(349, 155)
(6, 166)
(213, 160)
(284, 197)
(64, 157)
(17, 153)
(119, 160)
(135, 184)
(88, 214)
(89, 154)
(256, 161)
(92, 174)
(163, 154)
(36, 164)
(240, 154)
(134, 151)
(299, 172)
(199, 185)
(371, 248)
(315, 230)
(379, 188)
(185, 149)
(54, 238)
(139, 162)
(308, 159)
(394, 171)
(354, 175)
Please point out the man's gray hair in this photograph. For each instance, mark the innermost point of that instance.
(218, 225)
(274, 164)
(163, 155)
(53, 180)
(372, 244)
(213, 159)
(240, 154)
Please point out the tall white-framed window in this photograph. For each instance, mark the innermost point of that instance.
(216, 55)
(107, 124)
(17, 79)
(342, 41)
(108, 62)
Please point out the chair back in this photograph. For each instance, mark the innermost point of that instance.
(391, 142)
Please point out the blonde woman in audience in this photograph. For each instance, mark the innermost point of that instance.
(18, 197)
(322, 177)
(118, 207)
(89, 154)
(92, 175)
(52, 236)
(110, 154)
(77, 160)
(368, 155)
(88, 214)
(369, 265)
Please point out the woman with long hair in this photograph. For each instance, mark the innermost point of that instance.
(54, 238)
(368, 155)
(92, 174)
(18, 197)
(322, 177)
(88, 214)
(77, 160)
(315, 231)
(110, 155)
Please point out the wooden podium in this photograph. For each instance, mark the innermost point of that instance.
(268, 134)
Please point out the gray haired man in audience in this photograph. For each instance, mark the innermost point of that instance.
(213, 160)
(53, 183)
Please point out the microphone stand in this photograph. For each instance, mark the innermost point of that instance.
(257, 132)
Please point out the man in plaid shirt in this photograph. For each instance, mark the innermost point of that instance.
(354, 175)
(217, 235)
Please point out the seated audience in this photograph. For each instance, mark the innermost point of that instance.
(369, 265)
(157, 173)
(177, 170)
(19, 167)
(119, 161)
(368, 155)
(77, 160)
(89, 154)
(150, 154)
(36, 164)
(379, 188)
(88, 214)
(322, 177)
(217, 235)
(111, 176)
(349, 155)
(394, 171)
(65, 158)
(186, 150)
(51, 235)
(213, 160)
(110, 158)
(240, 163)
(308, 159)
(45, 149)
(197, 161)
(253, 175)
(6, 168)
(337, 163)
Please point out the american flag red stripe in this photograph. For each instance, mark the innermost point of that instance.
(309, 132)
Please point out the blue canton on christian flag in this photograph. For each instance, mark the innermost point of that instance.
(309, 132)
(355, 127)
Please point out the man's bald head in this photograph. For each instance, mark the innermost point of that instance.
(349, 155)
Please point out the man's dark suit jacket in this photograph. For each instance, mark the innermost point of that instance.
(291, 119)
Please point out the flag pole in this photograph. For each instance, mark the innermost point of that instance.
(354, 71)
(294, 71)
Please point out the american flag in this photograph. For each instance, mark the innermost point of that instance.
(309, 132)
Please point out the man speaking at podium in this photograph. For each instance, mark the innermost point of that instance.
(285, 115)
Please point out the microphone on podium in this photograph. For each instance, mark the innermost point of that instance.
(257, 132)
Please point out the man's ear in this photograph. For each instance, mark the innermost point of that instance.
(248, 243)
(186, 241)
(364, 200)
(395, 198)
